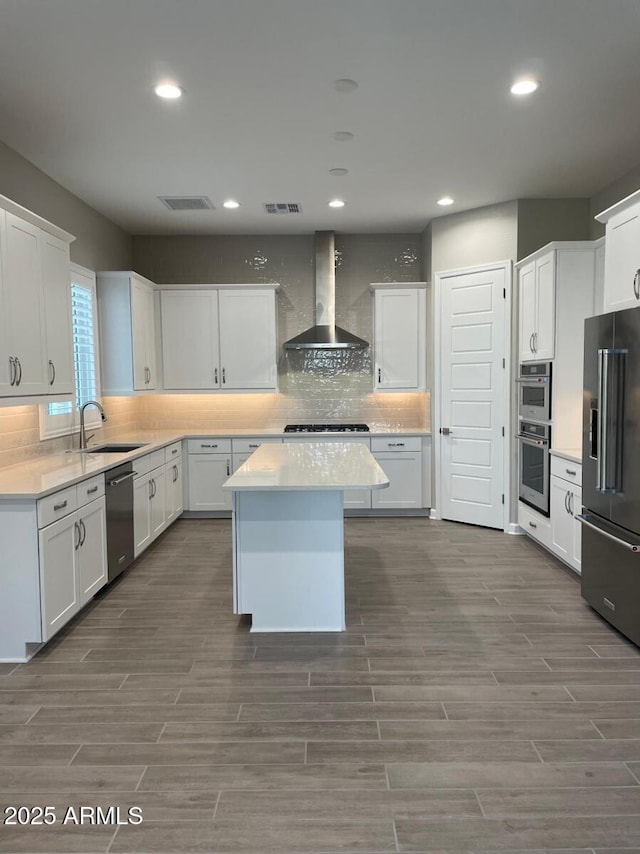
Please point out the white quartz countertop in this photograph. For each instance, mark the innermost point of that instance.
(309, 466)
(43, 475)
(574, 455)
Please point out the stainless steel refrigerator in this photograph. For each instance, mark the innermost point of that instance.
(611, 469)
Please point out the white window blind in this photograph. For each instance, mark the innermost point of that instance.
(62, 417)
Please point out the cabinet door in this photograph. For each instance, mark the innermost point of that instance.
(527, 311)
(544, 340)
(207, 473)
(158, 501)
(622, 260)
(150, 337)
(562, 521)
(141, 513)
(57, 313)
(247, 338)
(92, 552)
(397, 336)
(173, 477)
(404, 470)
(190, 347)
(6, 374)
(59, 592)
(24, 305)
(139, 331)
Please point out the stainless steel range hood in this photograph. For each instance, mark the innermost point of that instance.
(325, 335)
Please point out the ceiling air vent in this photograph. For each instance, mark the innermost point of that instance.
(282, 208)
(187, 203)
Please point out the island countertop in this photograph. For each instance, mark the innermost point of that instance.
(309, 466)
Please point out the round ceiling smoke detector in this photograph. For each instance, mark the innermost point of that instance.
(338, 172)
(345, 85)
(343, 135)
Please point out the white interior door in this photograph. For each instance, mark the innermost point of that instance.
(472, 396)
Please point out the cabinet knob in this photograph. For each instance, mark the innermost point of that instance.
(636, 284)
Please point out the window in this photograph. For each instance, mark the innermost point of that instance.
(62, 417)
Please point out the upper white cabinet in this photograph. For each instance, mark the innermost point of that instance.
(622, 254)
(400, 336)
(537, 307)
(36, 347)
(567, 271)
(219, 338)
(127, 332)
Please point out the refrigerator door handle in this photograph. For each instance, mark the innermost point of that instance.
(609, 447)
(632, 547)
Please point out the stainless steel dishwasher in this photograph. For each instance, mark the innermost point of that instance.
(119, 499)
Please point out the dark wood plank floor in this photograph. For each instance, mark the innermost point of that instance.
(474, 704)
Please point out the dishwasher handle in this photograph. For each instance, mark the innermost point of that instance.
(118, 480)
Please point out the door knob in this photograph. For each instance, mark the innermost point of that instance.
(445, 431)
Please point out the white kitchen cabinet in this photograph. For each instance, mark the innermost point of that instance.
(36, 346)
(210, 465)
(92, 550)
(190, 345)
(220, 338)
(174, 482)
(149, 507)
(400, 336)
(534, 524)
(622, 253)
(404, 470)
(57, 315)
(536, 287)
(566, 504)
(127, 332)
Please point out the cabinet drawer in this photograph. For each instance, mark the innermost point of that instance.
(209, 446)
(56, 506)
(567, 470)
(537, 526)
(156, 459)
(171, 452)
(396, 443)
(248, 446)
(90, 489)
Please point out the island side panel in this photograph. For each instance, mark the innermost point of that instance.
(289, 559)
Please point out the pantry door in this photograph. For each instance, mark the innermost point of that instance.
(473, 410)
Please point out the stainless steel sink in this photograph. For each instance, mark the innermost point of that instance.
(113, 449)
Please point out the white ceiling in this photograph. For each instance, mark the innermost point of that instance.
(432, 113)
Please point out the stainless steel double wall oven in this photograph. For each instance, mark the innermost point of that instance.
(534, 410)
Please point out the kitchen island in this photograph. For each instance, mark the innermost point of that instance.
(288, 538)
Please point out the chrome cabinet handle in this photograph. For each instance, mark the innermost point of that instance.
(52, 372)
(175, 451)
(636, 284)
(150, 489)
(175, 473)
(571, 497)
(12, 370)
(401, 444)
(19, 364)
(253, 446)
(228, 468)
(532, 525)
(224, 375)
(76, 538)
(531, 343)
(60, 506)
(208, 446)
(567, 502)
(379, 375)
(84, 532)
(92, 490)
(535, 342)
(572, 472)
(215, 376)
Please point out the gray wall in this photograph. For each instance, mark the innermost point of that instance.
(609, 195)
(542, 220)
(99, 244)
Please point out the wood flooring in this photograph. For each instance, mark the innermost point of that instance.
(474, 704)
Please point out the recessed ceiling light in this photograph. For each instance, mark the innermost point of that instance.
(231, 204)
(345, 85)
(169, 91)
(339, 171)
(343, 135)
(336, 203)
(525, 86)
(445, 200)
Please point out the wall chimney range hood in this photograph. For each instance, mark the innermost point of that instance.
(325, 335)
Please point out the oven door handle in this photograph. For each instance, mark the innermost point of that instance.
(529, 440)
(540, 380)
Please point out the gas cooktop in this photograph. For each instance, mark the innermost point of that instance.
(326, 428)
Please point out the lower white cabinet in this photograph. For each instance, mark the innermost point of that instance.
(210, 465)
(534, 524)
(149, 507)
(566, 504)
(174, 490)
(400, 457)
